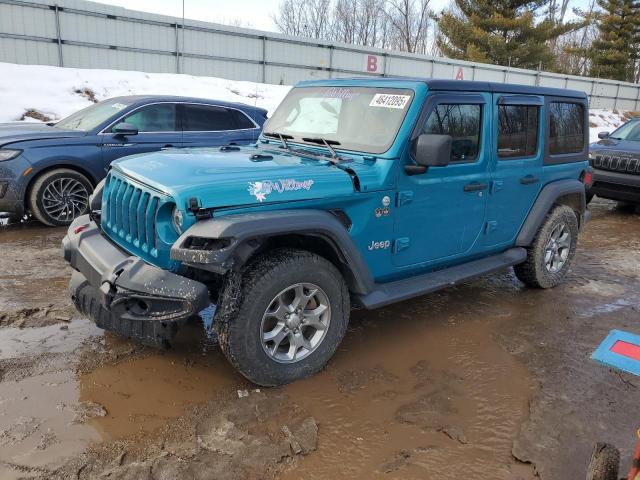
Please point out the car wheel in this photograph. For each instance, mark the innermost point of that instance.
(58, 196)
(292, 313)
(626, 207)
(605, 462)
(551, 253)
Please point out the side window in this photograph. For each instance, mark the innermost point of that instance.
(160, 117)
(566, 128)
(517, 130)
(462, 122)
(242, 121)
(204, 118)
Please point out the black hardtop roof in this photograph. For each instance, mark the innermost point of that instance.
(435, 84)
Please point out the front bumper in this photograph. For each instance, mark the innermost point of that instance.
(122, 293)
(615, 185)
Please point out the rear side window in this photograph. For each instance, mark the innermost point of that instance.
(566, 128)
(517, 130)
(462, 122)
(203, 118)
(160, 117)
(242, 121)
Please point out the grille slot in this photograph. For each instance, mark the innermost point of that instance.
(625, 163)
(131, 214)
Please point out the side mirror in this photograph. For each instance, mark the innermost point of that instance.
(603, 135)
(125, 129)
(430, 150)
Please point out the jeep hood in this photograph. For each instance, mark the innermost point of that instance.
(224, 178)
(20, 132)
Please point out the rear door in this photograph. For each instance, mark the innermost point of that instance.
(516, 166)
(158, 128)
(209, 125)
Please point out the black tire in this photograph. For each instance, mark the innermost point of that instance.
(37, 203)
(239, 327)
(534, 272)
(605, 462)
(626, 207)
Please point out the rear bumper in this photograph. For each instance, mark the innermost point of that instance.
(616, 186)
(122, 293)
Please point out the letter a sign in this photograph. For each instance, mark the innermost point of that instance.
(460, 74)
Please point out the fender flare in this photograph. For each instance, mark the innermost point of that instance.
(240, 235)
(546, 200)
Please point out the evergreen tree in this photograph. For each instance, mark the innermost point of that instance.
(501, 32)
(614, 54)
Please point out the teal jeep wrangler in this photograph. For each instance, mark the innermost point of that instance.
(359, 192)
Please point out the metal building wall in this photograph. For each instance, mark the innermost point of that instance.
(82, 34)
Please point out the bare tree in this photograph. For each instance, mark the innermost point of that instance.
(410, 22)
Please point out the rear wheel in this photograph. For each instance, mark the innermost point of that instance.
(291, 315)
(58, 196)
(551, 253)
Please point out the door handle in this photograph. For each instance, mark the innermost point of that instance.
(529, 179)
(474, 186)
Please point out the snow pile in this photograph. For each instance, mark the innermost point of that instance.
(44, 93)
(605, 121)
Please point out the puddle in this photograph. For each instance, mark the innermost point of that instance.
(141, 395)
(414, 398)
(17, 342)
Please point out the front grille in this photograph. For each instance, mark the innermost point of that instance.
(138, 218)
(617, 162)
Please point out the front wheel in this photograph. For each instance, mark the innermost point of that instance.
(59, 196)
(550, 255)
(291, 315)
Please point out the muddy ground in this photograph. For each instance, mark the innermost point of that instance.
(487, 380)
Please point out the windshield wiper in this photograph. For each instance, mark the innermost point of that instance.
(283, 137)
(326, 143)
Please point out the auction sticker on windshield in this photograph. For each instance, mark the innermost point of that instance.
(387, 100)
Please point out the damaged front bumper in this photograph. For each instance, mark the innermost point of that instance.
(124, 294)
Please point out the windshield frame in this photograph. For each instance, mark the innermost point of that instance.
(127, 105)
(629, 124)
(382, 89)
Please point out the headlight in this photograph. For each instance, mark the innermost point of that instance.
(176, 218)
(592, 155)
(8, 154)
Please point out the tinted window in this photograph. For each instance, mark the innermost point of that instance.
(242, 121)
(154, 118)
(462, 122)
(203, 118)
(566, 127)
(517, 130)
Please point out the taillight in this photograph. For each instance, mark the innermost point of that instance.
(587, 178)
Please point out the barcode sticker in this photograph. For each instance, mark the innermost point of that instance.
(387, 100)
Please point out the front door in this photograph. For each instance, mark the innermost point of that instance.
(158, 128)
(517, 167)
(440, 214)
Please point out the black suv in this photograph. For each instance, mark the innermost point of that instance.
(615, 159)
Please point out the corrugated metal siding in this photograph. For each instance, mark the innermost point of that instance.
(78, 33)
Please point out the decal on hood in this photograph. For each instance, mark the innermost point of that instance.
(261, 189)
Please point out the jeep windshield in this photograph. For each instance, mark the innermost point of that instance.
(363, 119)
(93, 116)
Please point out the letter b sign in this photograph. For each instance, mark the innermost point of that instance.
(371, 63)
